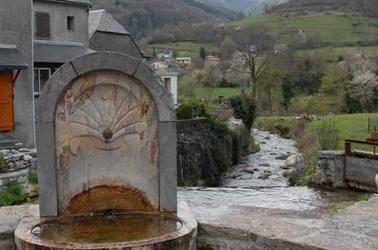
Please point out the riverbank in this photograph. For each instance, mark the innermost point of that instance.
(256, 206)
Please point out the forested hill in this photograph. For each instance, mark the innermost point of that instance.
(141, 17)
(365, 7)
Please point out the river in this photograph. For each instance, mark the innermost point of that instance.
(260, 181)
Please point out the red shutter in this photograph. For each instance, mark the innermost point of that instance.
(6, 102)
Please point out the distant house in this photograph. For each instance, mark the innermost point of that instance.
(156, 65)
(184, 61)
(212, 61)
(106, 34)
(60, 34)
(170, 79)
(166, 54)
(280, 49)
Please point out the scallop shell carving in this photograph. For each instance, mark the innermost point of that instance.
(100, 113)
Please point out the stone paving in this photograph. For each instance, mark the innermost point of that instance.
(355, 228)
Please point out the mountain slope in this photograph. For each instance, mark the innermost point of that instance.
(141, 17)
(249, 7)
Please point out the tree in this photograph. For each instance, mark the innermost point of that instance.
(364, 86)
(254, 45)
(227, 48)
(335, 83)
(202, 53)
(365, 80)
(244, 108)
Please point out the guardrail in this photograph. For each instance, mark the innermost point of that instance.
(370, 142)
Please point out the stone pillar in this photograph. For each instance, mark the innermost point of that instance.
(330, 171)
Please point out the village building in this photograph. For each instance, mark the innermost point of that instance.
(166, 54)
(60, 34)
(184, 61)
(212, 61)
(280, 49)
(45, 35)
(169, 75)
(16, 73)
(106, 34)
(170, 78)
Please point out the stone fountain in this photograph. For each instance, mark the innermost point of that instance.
(106, 139)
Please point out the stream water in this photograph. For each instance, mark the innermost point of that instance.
(260, 181)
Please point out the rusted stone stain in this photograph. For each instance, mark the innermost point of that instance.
(108, 198)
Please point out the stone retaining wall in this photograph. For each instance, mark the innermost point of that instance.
(18, 163)
(337, 171)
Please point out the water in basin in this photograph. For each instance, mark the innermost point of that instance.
(107, 228)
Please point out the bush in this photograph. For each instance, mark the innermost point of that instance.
(327, 134)
(12, 194)
(244, 108)
(205, 153)
(315, 104)
(190, 109)
(33, 178)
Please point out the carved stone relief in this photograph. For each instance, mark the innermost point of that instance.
(106, 136)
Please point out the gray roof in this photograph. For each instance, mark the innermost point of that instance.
(101, 20)
(77, 2)
(11, 58)
(58, 52)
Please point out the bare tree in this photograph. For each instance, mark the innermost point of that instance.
(254, 46)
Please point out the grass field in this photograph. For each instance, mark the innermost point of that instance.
(354, 126)
(336, 28)
(333, 53)
(203, 92)
(188, 48)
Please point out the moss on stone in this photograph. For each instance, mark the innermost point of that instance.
(207, 151)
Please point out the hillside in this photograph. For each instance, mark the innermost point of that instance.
(248, 7)
(364, 7)
(141, 17)
(321, 28)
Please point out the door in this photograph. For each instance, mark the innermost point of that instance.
(6, 102)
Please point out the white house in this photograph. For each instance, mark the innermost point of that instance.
(170, 79)
(184, 61)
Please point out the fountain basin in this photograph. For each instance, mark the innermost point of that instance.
(131, 230)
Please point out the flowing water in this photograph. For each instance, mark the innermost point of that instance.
(260, 181)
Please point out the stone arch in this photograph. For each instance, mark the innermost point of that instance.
(47, 107)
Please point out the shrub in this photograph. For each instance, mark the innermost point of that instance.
(33, 178)
(12, 194)
(316, 104)
(327, 134)
(190, 109)
(244, 108)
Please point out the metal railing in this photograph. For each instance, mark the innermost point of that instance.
(373, 143)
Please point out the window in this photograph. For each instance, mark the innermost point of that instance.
(42, 25)
(70, 23)
(41, 76)
(167, 82)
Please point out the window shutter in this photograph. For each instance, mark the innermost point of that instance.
(42, 23)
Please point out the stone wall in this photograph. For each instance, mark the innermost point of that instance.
(337, 171)
(17, 164)
(330, 171)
